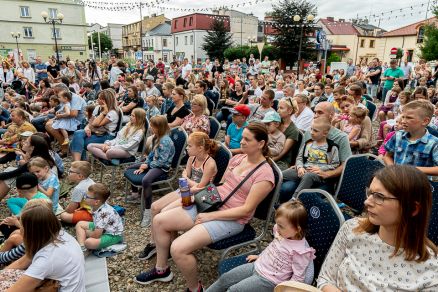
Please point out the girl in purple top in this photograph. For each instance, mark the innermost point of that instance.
(286, 257)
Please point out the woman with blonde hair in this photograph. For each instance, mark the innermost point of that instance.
(286, 108)
(198, 119)
(102, 126)
(127, 140)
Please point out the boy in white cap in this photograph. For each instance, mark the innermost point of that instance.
(276, 137)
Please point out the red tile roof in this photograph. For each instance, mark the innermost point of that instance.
(411, 29)
(339, 27)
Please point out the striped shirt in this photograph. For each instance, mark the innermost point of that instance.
(12, 255)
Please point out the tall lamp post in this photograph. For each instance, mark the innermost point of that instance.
(16, 35)
(53, 21)
(297, 18)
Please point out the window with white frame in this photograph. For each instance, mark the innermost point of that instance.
(191, 40)
(164, 42)
(28, 33)
(24, 11)
(185, 40)
(176, 41)
(53, 12)
(56, 32)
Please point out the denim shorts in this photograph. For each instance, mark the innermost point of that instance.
(218, 229)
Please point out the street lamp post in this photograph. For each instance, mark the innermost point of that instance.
(16, 35)
(53, 21)
(297, 18)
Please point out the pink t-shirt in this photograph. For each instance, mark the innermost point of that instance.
(284, 259)
(264, 173)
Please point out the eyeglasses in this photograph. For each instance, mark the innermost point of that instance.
(72, 171)
(90, 198)
(378, 198)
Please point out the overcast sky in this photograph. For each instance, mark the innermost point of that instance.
(402, 13)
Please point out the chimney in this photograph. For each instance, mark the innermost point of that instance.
(331, 19)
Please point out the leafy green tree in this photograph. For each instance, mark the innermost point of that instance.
(105, 42)
(217, 40)
(289, 32)
(333, 58)
(429, 48)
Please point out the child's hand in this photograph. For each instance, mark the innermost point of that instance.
(251, 258)
(301, 171)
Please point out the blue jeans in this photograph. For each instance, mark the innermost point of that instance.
(80, 142)
(96, 87)
(384, 92)
(40, 122)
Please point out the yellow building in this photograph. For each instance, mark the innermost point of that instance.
(409, 38)
(132, 33)
(356, 41)
(36, 36)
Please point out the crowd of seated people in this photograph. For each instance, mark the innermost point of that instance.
(307, 124)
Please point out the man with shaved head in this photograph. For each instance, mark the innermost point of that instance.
(326, 112)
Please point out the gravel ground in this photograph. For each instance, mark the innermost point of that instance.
(123, 267)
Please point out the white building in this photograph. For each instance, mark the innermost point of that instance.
(158, 43)
(244, 27)
(37, 38)
(188, 35)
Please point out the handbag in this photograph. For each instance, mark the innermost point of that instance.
(209, 200)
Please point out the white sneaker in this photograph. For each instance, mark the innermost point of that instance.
(147, 217)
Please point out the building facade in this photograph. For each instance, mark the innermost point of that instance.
(408, 38)
(133, 33)
(158, 43)
(243, 27)
(36, 36)
(188, 34)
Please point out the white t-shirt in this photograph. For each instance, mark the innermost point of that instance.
(185, 69)
(63, 262)
(112, 115)
(304, 120)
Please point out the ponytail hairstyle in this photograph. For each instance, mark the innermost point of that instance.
(180, 91)
(260, 133)
(296, 215)
(202, 139)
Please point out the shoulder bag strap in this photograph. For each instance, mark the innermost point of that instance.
(242, 182)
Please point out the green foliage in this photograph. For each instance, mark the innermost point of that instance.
(289, 32)
(105, 42)
(239, 52)
(217, 40)
(429, 48)
(399, 54)
(333, 58)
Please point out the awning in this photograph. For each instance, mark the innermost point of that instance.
(333, 48)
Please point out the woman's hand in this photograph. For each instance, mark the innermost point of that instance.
(87, 131)
(11, 221)
(251, 258)
(142, 168)
(203, 217)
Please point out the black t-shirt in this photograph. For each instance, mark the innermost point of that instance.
(375, 79)
(181, 113)
(53, 70)
(138, 101)
(236, 97)
(140, 71)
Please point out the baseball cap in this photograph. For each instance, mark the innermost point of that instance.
(241, 109)
(150, 77)
(26, 181)
(271, 116)
(26, 134)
